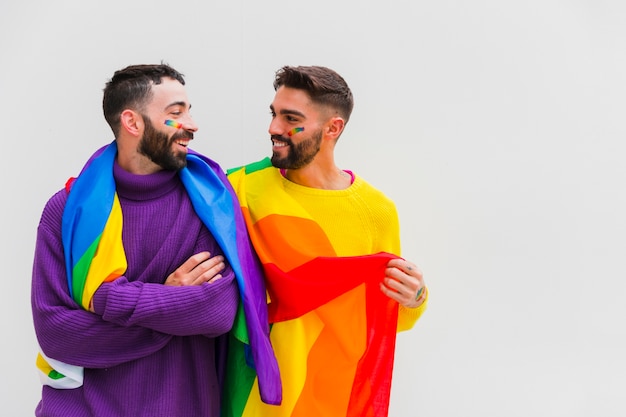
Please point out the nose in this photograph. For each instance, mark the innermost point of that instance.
(189, 124)
(275, 127)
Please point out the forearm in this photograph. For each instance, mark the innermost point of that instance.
(207, 309)
(70, 334)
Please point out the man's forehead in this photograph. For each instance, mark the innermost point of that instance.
(170, 93)
(292, 100)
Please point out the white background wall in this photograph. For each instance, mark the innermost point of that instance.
(497, 127)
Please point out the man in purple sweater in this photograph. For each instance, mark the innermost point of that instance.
(130, 320)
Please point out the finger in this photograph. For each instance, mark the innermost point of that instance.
(403, 265)
(215, 278)
(391, 293)
(393, 284)
(398, 291)
(210, 274)
(401, 294)
(183, 274)
(402, 278)
(209, 263)
(404, 283)
(195, 260)
(209, 269)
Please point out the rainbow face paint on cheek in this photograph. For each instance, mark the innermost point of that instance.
(295, 130)
(174, 124)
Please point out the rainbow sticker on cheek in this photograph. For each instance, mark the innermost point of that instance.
(174, 124)
(295, 130)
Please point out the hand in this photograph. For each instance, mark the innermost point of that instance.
(199, 269)
(403, 282)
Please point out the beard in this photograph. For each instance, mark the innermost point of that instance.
(298, 154)
(158, 147)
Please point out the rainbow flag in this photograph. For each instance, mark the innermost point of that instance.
(333, 330)
(92, 242)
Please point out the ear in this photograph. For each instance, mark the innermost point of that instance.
(132, 122)
(334, 127)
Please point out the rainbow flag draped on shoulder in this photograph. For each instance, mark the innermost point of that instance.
(333, 330)
(94, 254)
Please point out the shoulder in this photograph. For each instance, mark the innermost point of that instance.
(52, 213)
(371, 193)
(251, 167)
(252, 178)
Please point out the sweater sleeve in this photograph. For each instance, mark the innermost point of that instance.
(127, 327)
(407, 317)
(208, 309)
(64, 330)
(388, 238)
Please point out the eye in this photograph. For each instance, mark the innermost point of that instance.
(177, 113)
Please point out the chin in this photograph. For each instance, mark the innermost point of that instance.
(277, 162)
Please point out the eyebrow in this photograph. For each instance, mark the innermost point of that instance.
(177, 103)
(288, 112)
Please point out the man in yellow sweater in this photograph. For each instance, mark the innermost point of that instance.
(329, 244)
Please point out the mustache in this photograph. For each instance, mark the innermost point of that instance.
(282, 139)
(183, 134)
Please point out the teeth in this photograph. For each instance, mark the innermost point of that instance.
(183, 142)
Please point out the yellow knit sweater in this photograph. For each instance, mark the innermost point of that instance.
(359, 220)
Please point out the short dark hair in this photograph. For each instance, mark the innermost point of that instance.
(322, 84)
(131, 87)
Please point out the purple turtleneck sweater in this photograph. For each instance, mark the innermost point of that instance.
(149, 349)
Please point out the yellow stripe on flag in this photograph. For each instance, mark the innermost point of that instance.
(109, 261)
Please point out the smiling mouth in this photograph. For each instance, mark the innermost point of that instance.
(279, 142)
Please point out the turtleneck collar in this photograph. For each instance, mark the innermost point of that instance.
(143, 187)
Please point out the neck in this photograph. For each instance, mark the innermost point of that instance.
(330, 178)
